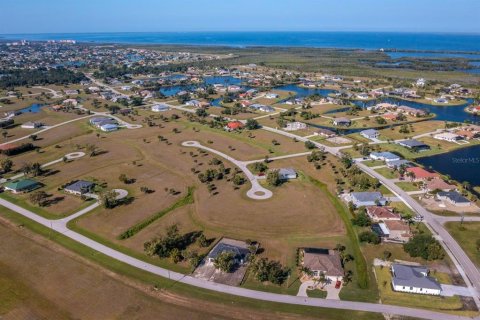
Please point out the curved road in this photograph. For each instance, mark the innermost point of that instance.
(61, 227)
(256, 192)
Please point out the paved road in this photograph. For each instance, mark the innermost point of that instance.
(256, 192)
(61, 227)
(465, 266)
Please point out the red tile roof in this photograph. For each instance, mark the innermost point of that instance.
(421, 173)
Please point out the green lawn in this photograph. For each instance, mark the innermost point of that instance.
(407, 186)
(467, 236)
(373, 163)
(179, 288)
(387, 173)
(389, 296)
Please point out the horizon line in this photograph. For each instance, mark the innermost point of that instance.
(246, 31)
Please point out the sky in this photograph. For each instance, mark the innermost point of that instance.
(78, 16)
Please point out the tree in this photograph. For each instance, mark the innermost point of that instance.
(271, 271)
(202, 241)
(260, 167)
(425, 246)
(33, 137)
(252, 124)
(386, 254)
(201, 112)
(38, 198)
(369, 236)
(36, 169)
(238, 180)
(309, 145)
(362, 220)
(225, 261)
(91, 150)
(6, 165)
(273, 178)
(109, 199)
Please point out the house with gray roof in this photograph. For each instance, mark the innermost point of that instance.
(414, 145)
(363, 199)
(79, 187)
(454, 198)
(370, 133)
(345, 122)
(414, 279)
(287, 174)
(239, 249)
(384, 156)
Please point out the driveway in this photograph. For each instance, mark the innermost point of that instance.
(450, 291)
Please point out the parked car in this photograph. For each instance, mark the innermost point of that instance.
(338, 284)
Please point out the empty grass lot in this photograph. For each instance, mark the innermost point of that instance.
(467, 236)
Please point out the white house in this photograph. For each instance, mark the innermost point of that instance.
(453, 198)
(342, 122)
(160, 107)
(370, 134)
(448, 136)
(414, 279)
(293, 126)
(287, 174)
(31, 125)
(271, 95)
(108, 127)
(384, 156)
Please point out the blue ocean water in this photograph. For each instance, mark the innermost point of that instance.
(360, 40)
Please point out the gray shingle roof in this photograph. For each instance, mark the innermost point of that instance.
(413, 276)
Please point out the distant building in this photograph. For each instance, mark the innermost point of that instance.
(22, 185)
(453, 198)
(422, 174)
(234, 125)
(160, 107)
(363, 199)
(108, 127)
(414, 145)
(325, 132)
(271, 95)
(32, 125)
(287, 174)
(79, 187)
(377, 213)
(293, 126)
(384, 156)
(370, 133)
(448, 136)
(345, 122)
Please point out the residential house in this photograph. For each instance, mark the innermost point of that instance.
(261, 107)
(414, 145)
(323, 261)
(238, 248)
(398, 163)
(193, 103)
(438, 184)
(448, 136)
(414, 279)
(271, 95)
(363, 199)
(79, 187)
(108, 127)
(399, 230)
(454, 198)
(22, 185)
(325, 132)
(378, 214)
(32, 125)
(234, 125)
(345, 122)
(287, 174)
(421, 174)
(160, 107)
(384, 156)
(293, 126)
(370, 133)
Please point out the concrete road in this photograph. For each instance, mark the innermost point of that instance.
(60, 226)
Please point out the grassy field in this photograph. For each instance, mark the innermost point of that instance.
(180, 293)
(387, 173)
(467, 236)
(408, 186)
(389, 296)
